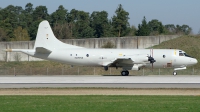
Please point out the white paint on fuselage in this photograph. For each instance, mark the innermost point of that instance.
(99, 57)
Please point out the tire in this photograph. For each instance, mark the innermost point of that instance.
(174, 73)
(125, 73)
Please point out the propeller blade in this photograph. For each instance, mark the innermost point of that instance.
(150, 53)
(151, 59)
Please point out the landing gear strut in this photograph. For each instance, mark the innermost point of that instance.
(174, 73)
(106, 68)
(125, 73)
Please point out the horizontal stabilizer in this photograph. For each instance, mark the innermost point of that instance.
(42, 50)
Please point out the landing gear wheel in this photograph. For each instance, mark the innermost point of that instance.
(106, 68)
(125, 73)
(174, 73)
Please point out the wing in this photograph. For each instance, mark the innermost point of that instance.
(133, 62)
(43, 50)
(120, 62)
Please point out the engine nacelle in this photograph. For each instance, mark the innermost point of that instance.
(139, 58)
(135, 68)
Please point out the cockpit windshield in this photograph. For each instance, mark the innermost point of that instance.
(182, 53)
(186, 55)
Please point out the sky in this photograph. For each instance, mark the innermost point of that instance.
(167, 11)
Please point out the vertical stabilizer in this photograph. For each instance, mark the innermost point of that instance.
(46, 39)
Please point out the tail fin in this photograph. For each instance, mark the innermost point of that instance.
(46, 39)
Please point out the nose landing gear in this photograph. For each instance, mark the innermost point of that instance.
(174, 73)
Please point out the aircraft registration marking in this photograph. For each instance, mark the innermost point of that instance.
(78, 57)
(102, 57)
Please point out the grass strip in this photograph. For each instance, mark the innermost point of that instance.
(99, 103)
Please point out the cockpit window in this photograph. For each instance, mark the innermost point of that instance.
(186, 55)
(181, 54)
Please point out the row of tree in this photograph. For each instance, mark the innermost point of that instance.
(17, 23)
(155, 27)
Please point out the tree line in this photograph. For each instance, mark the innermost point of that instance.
(18, 24)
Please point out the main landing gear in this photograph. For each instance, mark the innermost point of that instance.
(125, 73)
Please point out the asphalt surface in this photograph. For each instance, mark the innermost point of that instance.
(88, 81)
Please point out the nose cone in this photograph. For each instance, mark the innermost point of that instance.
(193, 61)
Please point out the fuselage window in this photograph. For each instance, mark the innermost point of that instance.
(87, 55)
(70, 54)
(76, 54)
(163, 56)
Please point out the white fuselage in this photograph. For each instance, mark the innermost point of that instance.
(101, 57)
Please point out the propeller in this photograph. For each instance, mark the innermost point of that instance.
(151, 59)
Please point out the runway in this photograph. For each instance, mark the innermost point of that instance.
(90, 81)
